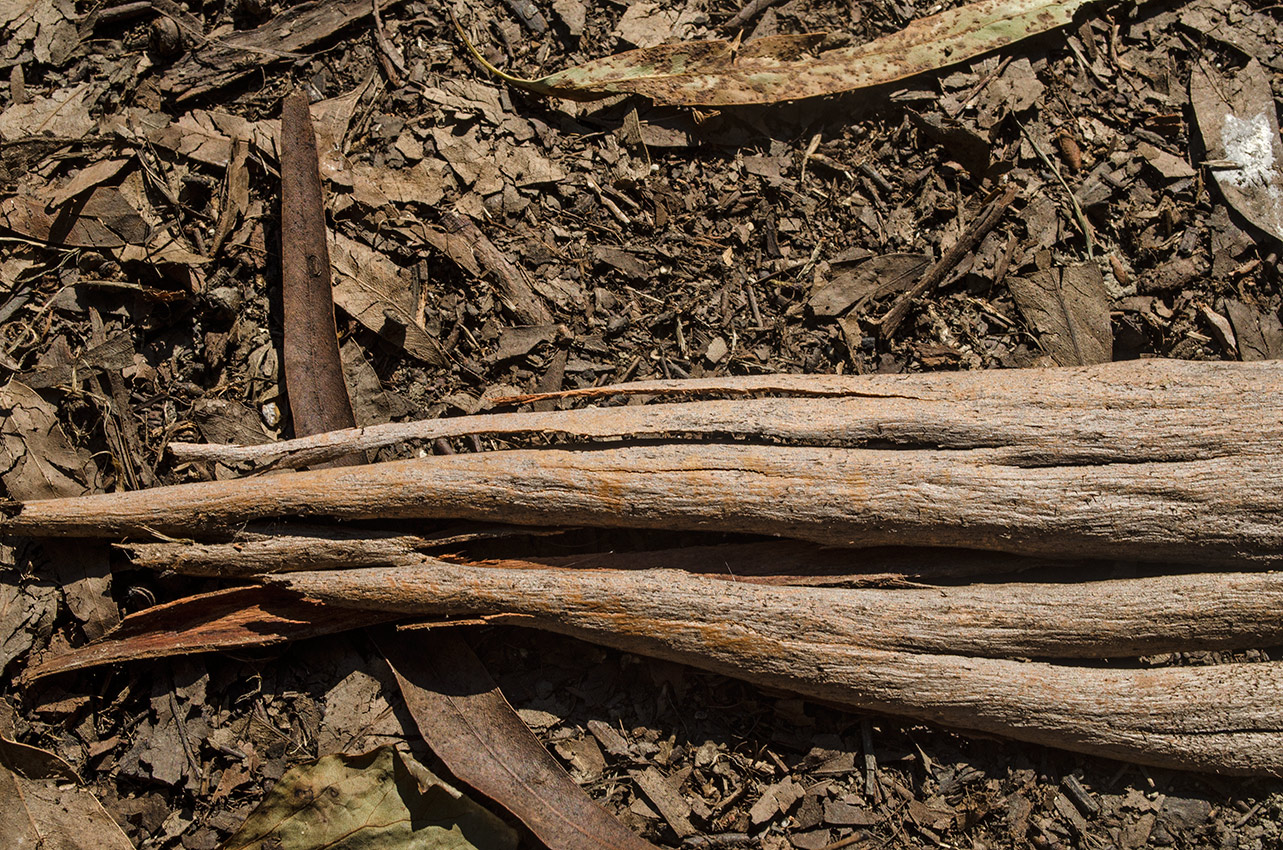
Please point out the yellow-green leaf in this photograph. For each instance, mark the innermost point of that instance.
(378, 801)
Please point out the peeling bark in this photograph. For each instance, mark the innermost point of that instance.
(1118, 412)
(1225, 718)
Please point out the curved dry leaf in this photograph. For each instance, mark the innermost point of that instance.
(465, 719)
(785, 67)
(382, 800)
(1236, 116)
(42, 803)
(230, 618)
(368, 287)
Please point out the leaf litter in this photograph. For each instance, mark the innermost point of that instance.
(383, 799)
(1180, 276)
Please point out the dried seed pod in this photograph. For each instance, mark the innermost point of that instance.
(1070, 150)
(164, 38)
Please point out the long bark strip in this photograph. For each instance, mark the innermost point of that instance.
(1116, 413)
(1103, 619)
(1216, 511)
(313, 373)
(776, 562)
(1224, 718)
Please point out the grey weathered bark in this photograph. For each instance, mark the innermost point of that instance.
(1225, 718)
(1168, 462)
(1119, 412)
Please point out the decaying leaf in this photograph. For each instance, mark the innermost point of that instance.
(1236, 115)
(206, 136)
(878, 276)
(38, 461)
(382, 799)
(469, 724)
(64, 114)
(42, 804)
(368, 287)
(787, 67)
(1069, 308)
(102, 219)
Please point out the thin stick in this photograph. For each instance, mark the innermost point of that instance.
(966, 243)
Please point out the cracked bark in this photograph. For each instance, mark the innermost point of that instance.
(1166, 462)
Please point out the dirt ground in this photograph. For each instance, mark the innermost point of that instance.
(140, 304)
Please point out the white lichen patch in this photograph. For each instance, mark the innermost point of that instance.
(1250, 144)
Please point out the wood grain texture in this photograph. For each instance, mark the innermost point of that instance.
(1102, 619)
(1118, 412)
(1224, 718)
(1172, 463)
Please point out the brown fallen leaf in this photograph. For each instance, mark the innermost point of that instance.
(42, 803)
(787, 67)
(1069, 308)
(1240, 127)
(472, 728)
(64, 114)
(313, 371)
(39, 461)
(369, 288)
(236, 618)
(102, 219)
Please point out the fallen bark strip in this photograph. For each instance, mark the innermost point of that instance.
(287, 547)
(1149, 382)
(1120, 412)
(760, 562)
(1224, 718)
(318, 398)
(1102, 619)
(1220, 511)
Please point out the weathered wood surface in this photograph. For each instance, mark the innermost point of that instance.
(1118, 618)
(1221, 510)
(1118, 412)
(290, 549)
(1168, 462)
(1224, 718)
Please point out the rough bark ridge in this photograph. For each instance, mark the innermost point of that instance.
(1153, 461)
(1225, 718)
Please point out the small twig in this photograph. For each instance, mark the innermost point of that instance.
(966, 243)
(392, 62)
